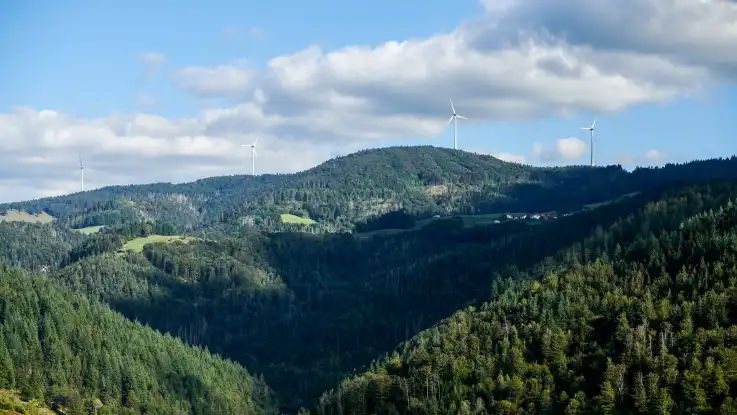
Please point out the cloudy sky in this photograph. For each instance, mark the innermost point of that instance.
(170, 90)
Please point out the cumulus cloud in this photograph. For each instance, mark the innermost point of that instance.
(139, 148)
(517, 60)
(564, 149)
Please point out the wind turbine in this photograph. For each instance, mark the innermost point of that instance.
(454, 118)
(253, 156)
(591, 130)
(81, 170)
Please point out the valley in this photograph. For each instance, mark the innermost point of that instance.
(410, 280)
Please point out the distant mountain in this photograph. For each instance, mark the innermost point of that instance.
(422, 180)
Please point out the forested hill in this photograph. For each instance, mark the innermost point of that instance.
(423, 180)
(79, 357)
(307, 310)
(638, 317)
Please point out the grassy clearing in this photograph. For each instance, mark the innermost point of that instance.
(20, 216)
(137, 244)
(12, 404)
(289, 218)
(90, 229)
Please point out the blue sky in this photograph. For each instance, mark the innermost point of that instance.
(82, 59)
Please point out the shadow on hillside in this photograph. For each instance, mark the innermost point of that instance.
(352, 300)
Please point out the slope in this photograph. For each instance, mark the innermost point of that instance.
(637, 318)
(306, 310)
(77, 355)
(36, 247)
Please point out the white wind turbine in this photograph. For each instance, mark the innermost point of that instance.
(591, 139)
(454, 118)
(81, 171)
(253, 156)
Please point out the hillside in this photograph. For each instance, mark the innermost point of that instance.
(74, 355)
(637, 318)
(424, 180)
(306, 310)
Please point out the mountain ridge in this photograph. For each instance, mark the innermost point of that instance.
(336, 194)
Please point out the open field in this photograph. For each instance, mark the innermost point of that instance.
(137, 244)
(20, 216)
(289, 218)
(90, 229)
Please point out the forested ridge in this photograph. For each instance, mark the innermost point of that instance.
(424, 180)
(307, 310)
(80, 357)
(638, 318)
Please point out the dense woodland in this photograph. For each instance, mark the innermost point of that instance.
(337, 194)
(644, 325)
(78, 356)
(308, 311)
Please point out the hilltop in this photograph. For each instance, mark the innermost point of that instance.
(334, 195)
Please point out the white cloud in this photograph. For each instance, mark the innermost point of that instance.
(564, 149)
(140, 148)
(627, 159)
(520, 59)
(654, 155)
(512, 158)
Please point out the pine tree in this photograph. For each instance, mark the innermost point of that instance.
(7, 371)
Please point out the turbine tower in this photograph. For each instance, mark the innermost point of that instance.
(591, 139)
(253, 156)
(454, 118)
(81, 171)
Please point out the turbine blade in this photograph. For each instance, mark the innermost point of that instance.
(449, 121)
(585, 128)
(253, 151)
(86, 169)
(254, 143)
(451, 106)
(461, 117)
(594, 123)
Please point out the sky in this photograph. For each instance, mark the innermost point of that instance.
(170, 91)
